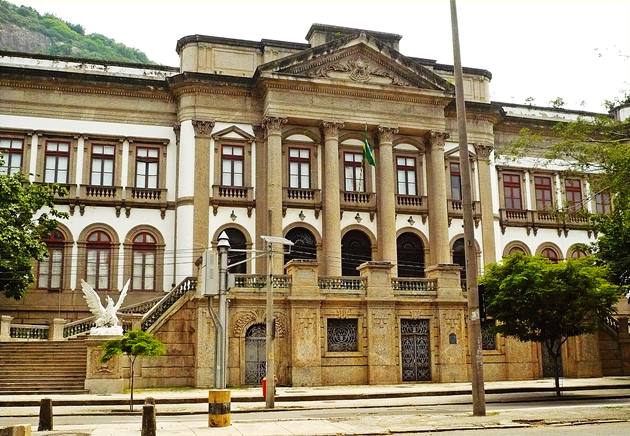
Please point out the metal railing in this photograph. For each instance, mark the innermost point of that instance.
(29, 331)
(166, 302)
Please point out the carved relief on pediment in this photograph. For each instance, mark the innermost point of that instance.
(358, 69)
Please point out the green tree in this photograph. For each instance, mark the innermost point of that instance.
(535, 300)
(27, 214)
(134, 344)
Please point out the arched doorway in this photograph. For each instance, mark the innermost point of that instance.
(305, 244)
(459, 255)
(356, 248)
(238, 241)
(255, 355)
(410, 255)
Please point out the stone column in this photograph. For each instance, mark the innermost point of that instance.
(5, 328)
(201, 198)
(386, 195)
(306, 349)
(331, 208)
(260, 193)
(383, 361)
(438, 212)
(55, 329)
(483, 152)
(274, 187)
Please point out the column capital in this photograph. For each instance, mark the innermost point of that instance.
(203, 127)
(483, 150)
(274, 124)
(331, 128)
(177, 128)
(386, 134)
(437, 138)
(259, 132)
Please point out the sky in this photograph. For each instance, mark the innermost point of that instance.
(574, 49)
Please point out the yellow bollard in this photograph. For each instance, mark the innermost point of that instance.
(219, 408)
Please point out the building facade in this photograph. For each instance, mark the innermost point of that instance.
(265, 138)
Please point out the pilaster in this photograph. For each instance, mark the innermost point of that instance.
(201, 204)
(438, 212)
(386, 195)
(5, 328)
(483, 152)
(331, 208)
(55, 330)
(261, 195)
(273, 125)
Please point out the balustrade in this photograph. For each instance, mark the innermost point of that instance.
(100, 192)
(343, 283)
(29, 331)
(414, 285)
(147, 194)
(259, 281)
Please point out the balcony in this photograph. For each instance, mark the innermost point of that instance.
(456, 210)
(358, 201)
(146, 195)
(234, 196)
(404, 286)
(412, 204)
(302, 198)
(100, 193)
(533, 220)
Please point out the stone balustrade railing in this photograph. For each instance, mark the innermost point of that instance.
(259, 281)
(140, 308)
(342, 283)
(413, 285)
(166, 302)
(78, 327)
(29, 332)
(147, 194)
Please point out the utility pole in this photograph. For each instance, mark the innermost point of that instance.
(474, 322)
(223, 246)
(269, 330)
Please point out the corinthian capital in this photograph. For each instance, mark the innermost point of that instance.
(202, 128)
(437, 138)
(331, 128)
(274, 125)
(386, 134)
(483, 151)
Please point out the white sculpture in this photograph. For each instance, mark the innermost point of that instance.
(107, 323)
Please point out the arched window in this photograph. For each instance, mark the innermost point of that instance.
(143, 267)
(305, 244)
(98, 260)
(50, 271)
(578, 253)
(515, 250)
(237, 241)
(356, 248)
(410, 253)
(459, 255)
(550, 254)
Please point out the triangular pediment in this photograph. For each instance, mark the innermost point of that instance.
(234, 133)
(359, 59)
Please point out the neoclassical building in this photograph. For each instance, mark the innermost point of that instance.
(265, 138)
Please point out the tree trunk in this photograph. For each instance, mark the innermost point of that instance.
(554, 347)
(131, 398)
(556, 372)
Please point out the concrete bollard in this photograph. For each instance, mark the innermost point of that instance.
(219, 408)
(16, 430)
(45, 415)
(148, 420)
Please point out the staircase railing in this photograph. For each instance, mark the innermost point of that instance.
(612, 326)
(79, 326)
(29, 331)
(166, 302)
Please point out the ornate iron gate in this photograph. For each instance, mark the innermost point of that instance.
(415, 349)
(255, 354)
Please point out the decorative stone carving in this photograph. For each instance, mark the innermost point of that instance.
(437, 138)
(483, 151)
(242, 320)
(202, 128)
(177, 128)
(359, 69)
(331, 128)
(386, 134)
(273, 125)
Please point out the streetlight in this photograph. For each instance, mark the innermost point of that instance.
(270, 366)
(223, 246)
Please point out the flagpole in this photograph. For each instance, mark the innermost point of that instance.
(474, 322)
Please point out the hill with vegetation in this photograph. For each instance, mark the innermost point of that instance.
(23, 29)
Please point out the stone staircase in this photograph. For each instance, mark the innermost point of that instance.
(614, 347)
(42, 367)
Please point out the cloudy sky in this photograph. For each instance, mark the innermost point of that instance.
(575, 49)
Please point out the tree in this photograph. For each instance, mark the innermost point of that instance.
(134, 344)
(535, 300)
(27, 214)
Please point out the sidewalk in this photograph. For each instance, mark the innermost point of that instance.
(321, 393)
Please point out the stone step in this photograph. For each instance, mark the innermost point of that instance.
(46, 390)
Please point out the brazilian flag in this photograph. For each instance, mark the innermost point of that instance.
(368, 152)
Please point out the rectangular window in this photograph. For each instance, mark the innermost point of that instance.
(353, 172)
(406, 174)
(573, 189)
(512, 191)
(232, 164)
(342, 334)
(456, 182)
(57, 161)
(602, 202)
(50, 270)
(102, 168)
(98, 268)
(544, 198)
(11, 152)
(143, 270)
(147, 167)
(299, 168)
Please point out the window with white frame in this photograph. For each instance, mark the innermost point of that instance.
(147, 167)
(57, 162)
(406, 174)
(232, 163)
(102, 165)
(299, 168)
(353, 172)
(11, 150)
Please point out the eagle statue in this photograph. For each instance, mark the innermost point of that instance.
(107, 322)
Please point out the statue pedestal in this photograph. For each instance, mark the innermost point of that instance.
(103, 378)
(107, 331)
